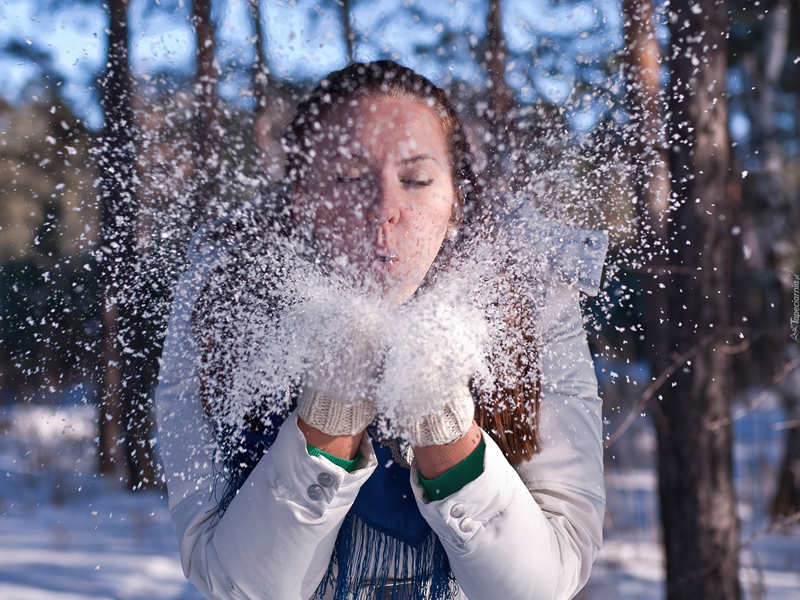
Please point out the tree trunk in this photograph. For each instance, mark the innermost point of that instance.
(775, 47)
(649, 157)
(645, 101)
(260, 65)
(501, 100)
(207, 117)
(125, 421)
(349, 36)
(772, 191)
(787, 497)
(698, 508)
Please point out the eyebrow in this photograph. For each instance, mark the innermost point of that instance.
(360, 158)
(420, 157)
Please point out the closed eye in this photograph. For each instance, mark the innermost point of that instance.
(416, 182)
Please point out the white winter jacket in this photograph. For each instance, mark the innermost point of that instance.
(527, 532)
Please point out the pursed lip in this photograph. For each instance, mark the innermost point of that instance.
(384, 262)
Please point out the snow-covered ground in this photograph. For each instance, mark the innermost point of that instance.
(631, 563)
(66, 533)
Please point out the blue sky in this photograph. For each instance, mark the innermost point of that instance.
(304, 41)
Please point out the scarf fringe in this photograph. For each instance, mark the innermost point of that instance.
(366, 562)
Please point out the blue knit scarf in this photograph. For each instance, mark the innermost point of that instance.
(382, 534)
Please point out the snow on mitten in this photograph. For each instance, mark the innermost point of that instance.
(337, 393)
(437, 345)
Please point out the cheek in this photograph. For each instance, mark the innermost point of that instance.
(434, 215)
(429, 224)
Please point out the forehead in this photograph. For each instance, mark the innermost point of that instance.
(384, 128)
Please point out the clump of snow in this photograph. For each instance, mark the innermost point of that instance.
(305, 323)
(436, 343)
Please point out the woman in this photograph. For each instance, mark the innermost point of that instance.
(276, 490)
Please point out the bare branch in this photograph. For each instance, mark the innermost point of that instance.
(678, 361)
(755, 402)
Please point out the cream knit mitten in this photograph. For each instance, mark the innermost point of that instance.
(337, 395)
(424, 394)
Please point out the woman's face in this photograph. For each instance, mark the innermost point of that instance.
(379, 194)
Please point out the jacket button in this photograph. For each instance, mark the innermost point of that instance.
(315, 492)
(457, 511)
(325, 479)
(466, 525)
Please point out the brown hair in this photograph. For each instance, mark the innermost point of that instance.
(508, 408)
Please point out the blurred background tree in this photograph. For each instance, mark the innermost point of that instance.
(573, 103)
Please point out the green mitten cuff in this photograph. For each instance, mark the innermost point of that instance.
(347, 465)
(457, 477)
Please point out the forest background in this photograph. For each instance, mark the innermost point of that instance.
(675, 126)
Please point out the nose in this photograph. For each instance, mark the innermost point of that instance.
(387, 212)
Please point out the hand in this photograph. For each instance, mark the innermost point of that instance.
(437, 345)
(344, 355)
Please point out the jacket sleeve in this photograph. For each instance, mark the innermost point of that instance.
(533, 531)
(276, 537)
